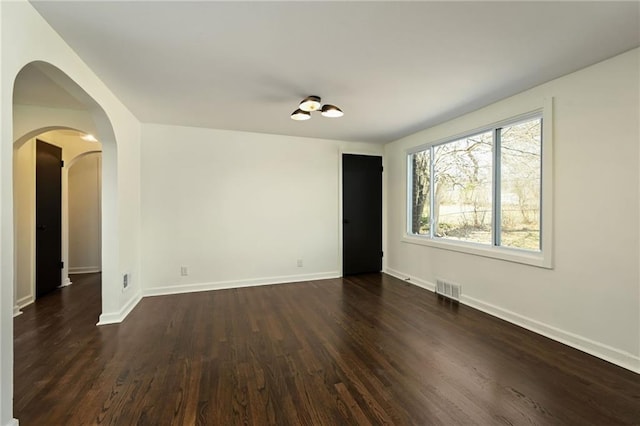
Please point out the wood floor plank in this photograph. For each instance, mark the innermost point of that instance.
(362, 350)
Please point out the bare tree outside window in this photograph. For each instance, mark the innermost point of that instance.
(463, 201)
(465, 195)
(420, 163)
(520, 152)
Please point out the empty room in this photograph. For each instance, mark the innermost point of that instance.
(319, 213)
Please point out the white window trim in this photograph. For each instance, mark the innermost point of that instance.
(542, 258)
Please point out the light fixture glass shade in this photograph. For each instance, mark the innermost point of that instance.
(310, 103)
(300, 115)
(331, 111)
(89, 138)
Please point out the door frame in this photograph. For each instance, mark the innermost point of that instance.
(370, 153)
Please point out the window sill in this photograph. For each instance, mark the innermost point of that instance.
(537, 259)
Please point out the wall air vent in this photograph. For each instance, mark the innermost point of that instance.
(449, 290)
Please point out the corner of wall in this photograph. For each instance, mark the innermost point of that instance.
(118, 317)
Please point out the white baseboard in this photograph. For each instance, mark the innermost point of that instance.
(25, 301)
(16, 311)
(13, 422)
(66, 282)
(599, 350)
(411, 280)
(118, 317)
(222, 285)
(84, 269)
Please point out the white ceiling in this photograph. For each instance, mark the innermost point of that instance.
(393, 67)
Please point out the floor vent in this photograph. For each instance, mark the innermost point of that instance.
(447, 289)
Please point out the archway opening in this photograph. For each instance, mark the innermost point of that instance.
(79, 212)
(46, 99)
(48, 104)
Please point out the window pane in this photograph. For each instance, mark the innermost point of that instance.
(420, 201)
(520, 185)
(463, 189)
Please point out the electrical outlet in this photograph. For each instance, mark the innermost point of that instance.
(184, 271)
(300, 263)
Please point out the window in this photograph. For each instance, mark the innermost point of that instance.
(483, 188)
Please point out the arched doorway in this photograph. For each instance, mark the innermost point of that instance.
(79, 238)
(46, 99)
(30, 44)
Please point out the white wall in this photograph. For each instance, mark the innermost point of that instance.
(238, 208)
(25, 38)
(84, 214)
(590, 299)
(24, 224)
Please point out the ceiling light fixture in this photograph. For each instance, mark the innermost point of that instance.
(312, 103)
(331, 111)
(300, 115)
(89, 138)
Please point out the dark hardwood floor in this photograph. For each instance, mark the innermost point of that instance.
(361, 350)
